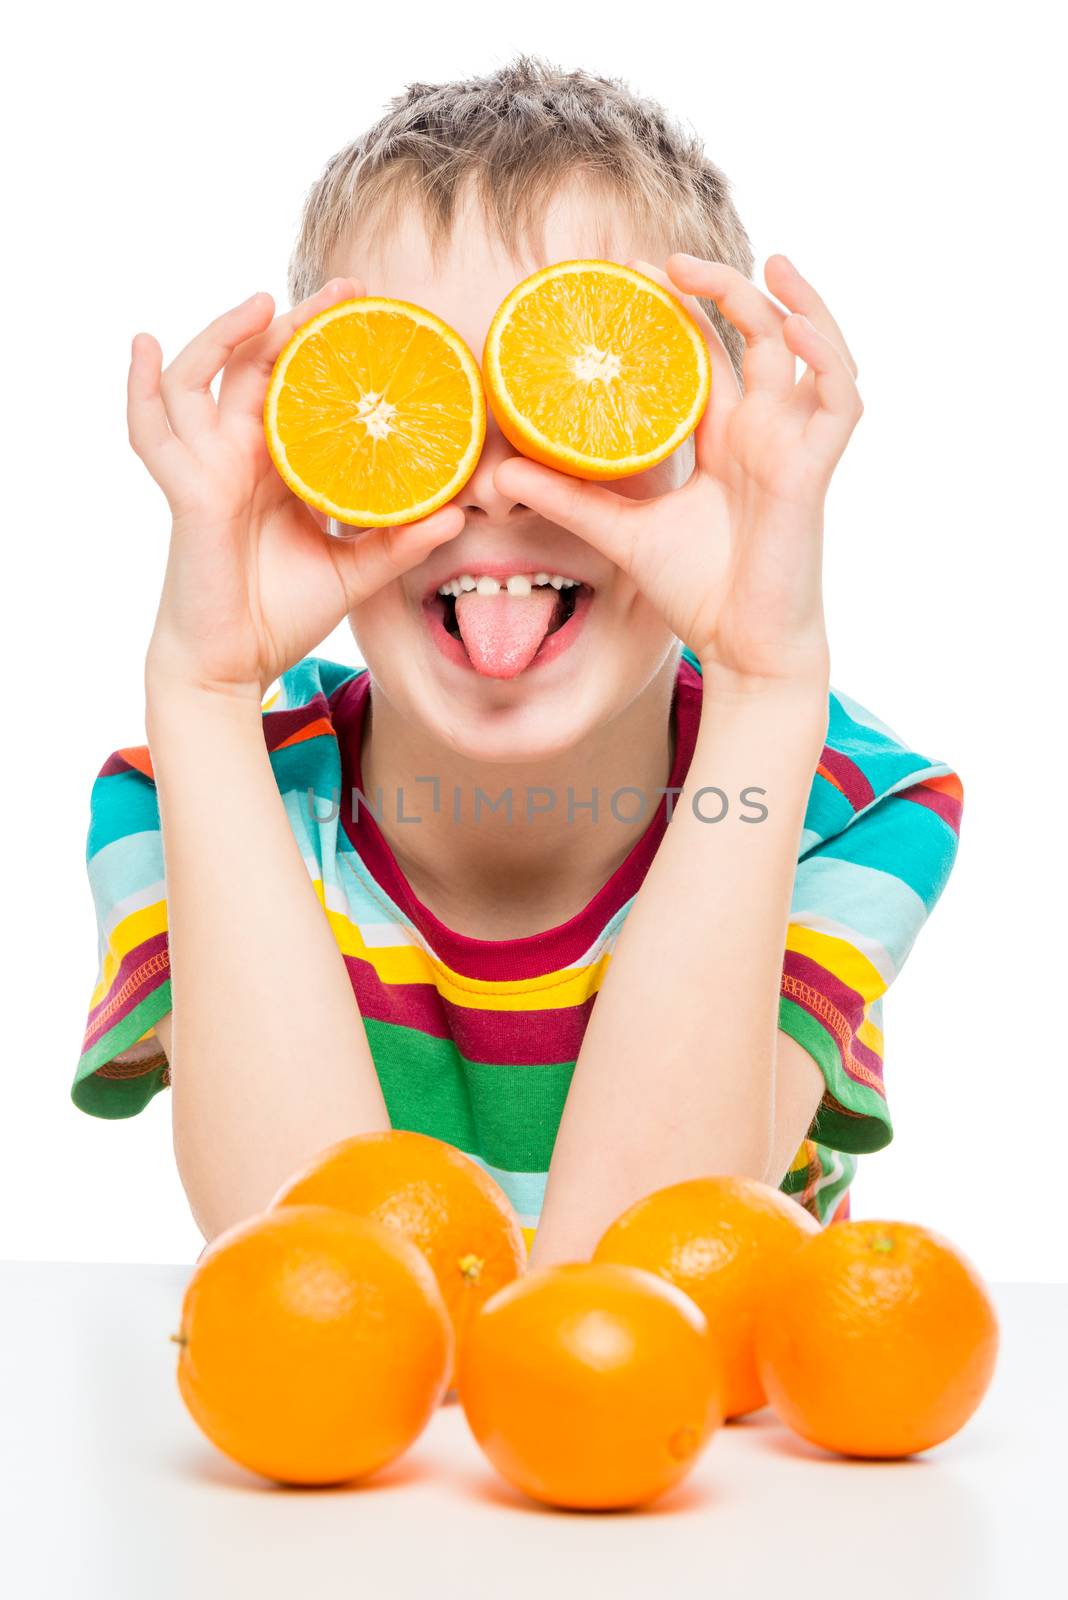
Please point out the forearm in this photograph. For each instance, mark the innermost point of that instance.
(676, 1074)
(270, 1061)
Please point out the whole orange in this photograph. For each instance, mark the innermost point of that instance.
(719, 1240)
(436, 1197)
(879, 1339)
(590, 1386)
(315, 1346)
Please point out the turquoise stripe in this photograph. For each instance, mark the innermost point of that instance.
(368, 901)
(866, 719)
(314, 675)
(318, 838)
(883, 761)
(124, 867)
(122, 803)
(309, 764)
(828, 810)
(876, 905)
(901, 839)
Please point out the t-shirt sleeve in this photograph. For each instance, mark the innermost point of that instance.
(880, 840)
(122, 1064)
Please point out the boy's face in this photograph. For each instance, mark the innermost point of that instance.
(598, 655)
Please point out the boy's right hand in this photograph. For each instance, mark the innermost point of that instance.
(253, 582)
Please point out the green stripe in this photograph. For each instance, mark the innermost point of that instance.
(871, 1128)
(509, 1114)
(121, 1097)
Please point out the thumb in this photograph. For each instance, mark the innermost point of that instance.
(367, 559)
(604, 519)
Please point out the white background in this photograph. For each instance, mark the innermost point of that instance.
(906, 158)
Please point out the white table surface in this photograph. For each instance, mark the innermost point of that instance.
(108, 1489)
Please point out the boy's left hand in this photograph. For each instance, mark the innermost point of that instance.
(731, 559)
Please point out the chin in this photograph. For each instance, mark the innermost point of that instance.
(553, 706)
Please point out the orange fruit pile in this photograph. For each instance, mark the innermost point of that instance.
(318, 1338)
(595, 369)
(374, 413)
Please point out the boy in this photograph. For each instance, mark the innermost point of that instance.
(664, 810)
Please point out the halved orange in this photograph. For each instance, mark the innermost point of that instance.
(375, 413)
(594, 369)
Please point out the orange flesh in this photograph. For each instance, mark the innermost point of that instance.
(592, 364)
(376, 414)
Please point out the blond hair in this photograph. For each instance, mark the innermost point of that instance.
(517, 135)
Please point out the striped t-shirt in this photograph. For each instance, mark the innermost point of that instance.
(475, 1041)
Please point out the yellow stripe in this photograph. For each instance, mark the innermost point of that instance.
(410, 963)
(392, 964)
(872, 1036)
(839, 957)
(126, 936)
(801, 1158)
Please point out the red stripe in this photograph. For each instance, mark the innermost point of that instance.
(281, 728)
(141, 971)
(848, 777)
(824, 772)
(839, 1008)
(124, 761)
(507, 1038)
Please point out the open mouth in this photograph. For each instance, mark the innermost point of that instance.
(499, 625)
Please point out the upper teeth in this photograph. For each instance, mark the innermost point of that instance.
(518, 583)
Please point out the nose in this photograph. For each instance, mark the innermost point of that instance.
(480, 498)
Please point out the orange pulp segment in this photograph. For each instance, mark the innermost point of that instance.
(595, 369)
(375, 413)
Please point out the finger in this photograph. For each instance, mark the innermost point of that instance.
(768, 364)
(186, 383)
(246, 376)
(370, 558)
(146, 416)
(596, 514)
(787, 285)
(840, 407)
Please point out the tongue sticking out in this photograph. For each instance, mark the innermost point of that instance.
(503, 632)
